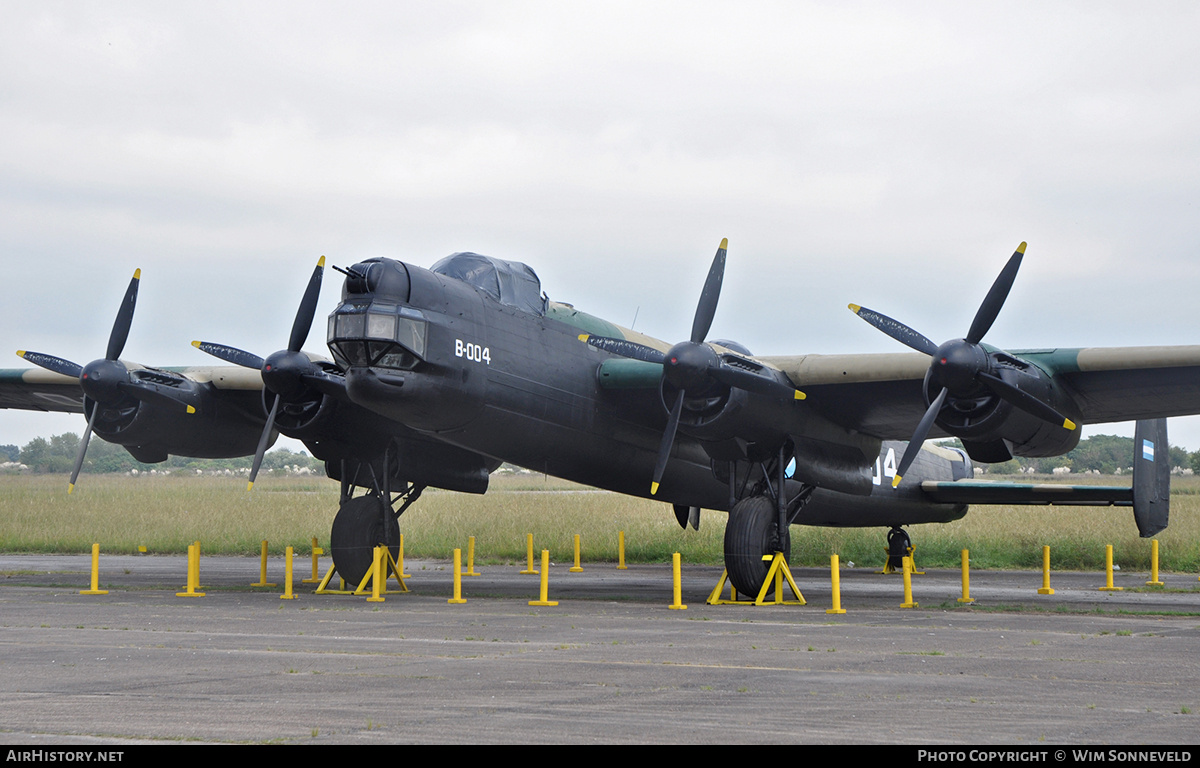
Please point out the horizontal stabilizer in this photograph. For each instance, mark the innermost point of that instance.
(1149, 496)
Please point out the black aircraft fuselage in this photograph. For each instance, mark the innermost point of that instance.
(504, 374)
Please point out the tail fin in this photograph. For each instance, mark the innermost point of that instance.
(1151, 477)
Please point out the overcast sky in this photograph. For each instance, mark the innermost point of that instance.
(887, 154)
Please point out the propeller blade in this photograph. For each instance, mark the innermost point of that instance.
(230, 354)
(751, 382)
(994, 300)
(624, 348)
(707, 308)
(897, 330)
(52, 363)
(83, 444)
(262, 443)
(918, 438)
(307, 310)
(1025, 401)
(664, 450)
(120, 330)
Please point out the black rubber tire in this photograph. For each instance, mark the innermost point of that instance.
(357, 530)
(749, 535)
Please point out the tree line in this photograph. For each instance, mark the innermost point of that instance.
(57, 455)
(1105, 454)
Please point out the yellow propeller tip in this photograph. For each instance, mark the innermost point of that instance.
(584, 336)
(854, 308)
(137, 274)
(896, 481)
(20, 353)
(196, 344)
(250, 486)
(321, 262)
(70, 488)
(191, 409)
(724, 243)
(1068, 424)
(653, 488)
(1021, 247)
(800, 395)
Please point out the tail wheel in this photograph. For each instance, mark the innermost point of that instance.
(751, 534)
(357, 530)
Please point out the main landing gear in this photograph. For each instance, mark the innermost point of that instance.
(760, 524)
(365, 522)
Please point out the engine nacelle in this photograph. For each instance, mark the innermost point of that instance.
(992, 429)
(152, 430)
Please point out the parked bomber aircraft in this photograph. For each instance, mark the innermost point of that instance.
(439, 375)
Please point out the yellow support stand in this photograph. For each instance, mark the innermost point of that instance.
(382, 569)
(678, 585)
(966, 578)
(1046, 589)
(95, 590)
(777, 573)
(577, 568)
(621, 551)
(316, 574)
(908, 598)
(545, 593)
(1154, 581)
(193, 573)
(836, 581)
(262, 569)
(458, 598)
(529, 569)
(1108, 568)
(287, 571)
(470, 558)
(714, 597)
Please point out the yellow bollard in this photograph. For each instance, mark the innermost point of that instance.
(471, 557)
(193, 573)
(287, 575)
(1154, 581)
(1046, 590)
(316, 574)
(458, 598)
(1108, 567)
(621, 551)
(262, 570)
(529, 555)
(908, 600)
(545, 594)
(836, 580)
(966, 579)
(376, 576)
(95, 590)
(675, 576)
(577, 568)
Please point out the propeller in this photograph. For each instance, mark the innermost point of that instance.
(693, 366)
(962, 367)
(287, 373)
(107, 381)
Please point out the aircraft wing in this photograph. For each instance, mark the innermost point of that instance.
(880, 394)
(35, 389)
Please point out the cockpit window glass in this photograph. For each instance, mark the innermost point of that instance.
(509, 282)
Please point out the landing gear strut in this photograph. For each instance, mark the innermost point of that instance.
(760, 524)
(899, 547)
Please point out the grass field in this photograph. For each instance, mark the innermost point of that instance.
(165, 514)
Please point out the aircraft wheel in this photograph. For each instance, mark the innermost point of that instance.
(357, 530)
(750, 534)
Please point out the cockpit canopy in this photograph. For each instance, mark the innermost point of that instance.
(509, 282)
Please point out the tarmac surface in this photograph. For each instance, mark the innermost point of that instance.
(611, 663)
